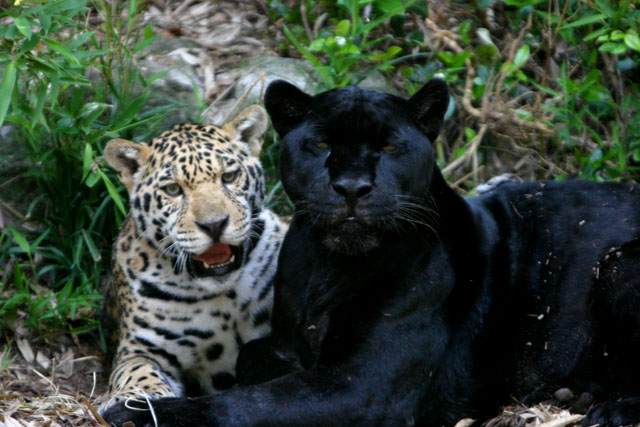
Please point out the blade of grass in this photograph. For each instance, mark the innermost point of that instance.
(6, 89)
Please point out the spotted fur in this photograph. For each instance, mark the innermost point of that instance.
(173, 322)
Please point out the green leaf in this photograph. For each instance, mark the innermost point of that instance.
(40, 238)
(616, 35)
(392, 52)
(606, 7)
(598, 17)
(23, 25)
(469, 134)
(92, 180)
(446, 57)
(61, 49)
(21, 240)
(317, 45)
(522, 76)
(595, 34)
(487, 54)
(522, 56)
(597, 93)
(146, 41)
(91, 107)
(132, 8)
(613, 48)
(113, 192)
(391, 6)
(464, 30)
(548, 17)
(6, 89)
(11, 32)
(93, 250)
(45, 21)
(37, 112)
(342, 29)
(80, 40)
(127, 115)
(596, 157)
(61, 6)
(51, 68)
(348, 48)
(155, 77)
(19, 279)
(29, 44)
(198, 95)
(632, 41)
(522, 3)
(82, 54)
(86, 161)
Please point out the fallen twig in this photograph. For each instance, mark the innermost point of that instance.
(471, 151)
(93, 411)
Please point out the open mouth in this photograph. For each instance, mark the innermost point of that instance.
(219, 259)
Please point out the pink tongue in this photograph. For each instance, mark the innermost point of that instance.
(216, 254)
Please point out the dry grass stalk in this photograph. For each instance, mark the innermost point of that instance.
(497, 111)
(541, 415)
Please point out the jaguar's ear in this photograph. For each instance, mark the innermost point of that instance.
(429, 105)
(249, 126)
(286, 105)
(126, 158)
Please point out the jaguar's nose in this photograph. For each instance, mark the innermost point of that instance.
(214, 228)
(352, 188)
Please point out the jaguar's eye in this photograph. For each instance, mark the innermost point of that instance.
(172, 190)
(229, 177)
(322, 145)
(389, 148)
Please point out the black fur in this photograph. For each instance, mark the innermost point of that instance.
(397, 302)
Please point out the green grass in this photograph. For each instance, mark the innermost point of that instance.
(62, 119)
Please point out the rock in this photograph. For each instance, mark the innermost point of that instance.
(252, 79)
(186, 65)
(563, 395)
(255, 74)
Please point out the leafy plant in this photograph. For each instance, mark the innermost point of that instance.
(6, 360)
(553, 80)
(338, 54)
(65, 91)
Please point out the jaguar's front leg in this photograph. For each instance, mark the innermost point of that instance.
(137, 378)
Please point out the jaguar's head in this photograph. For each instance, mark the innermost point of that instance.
(357, 163)
(195, 189)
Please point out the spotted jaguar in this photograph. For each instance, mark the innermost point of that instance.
(193, 264)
